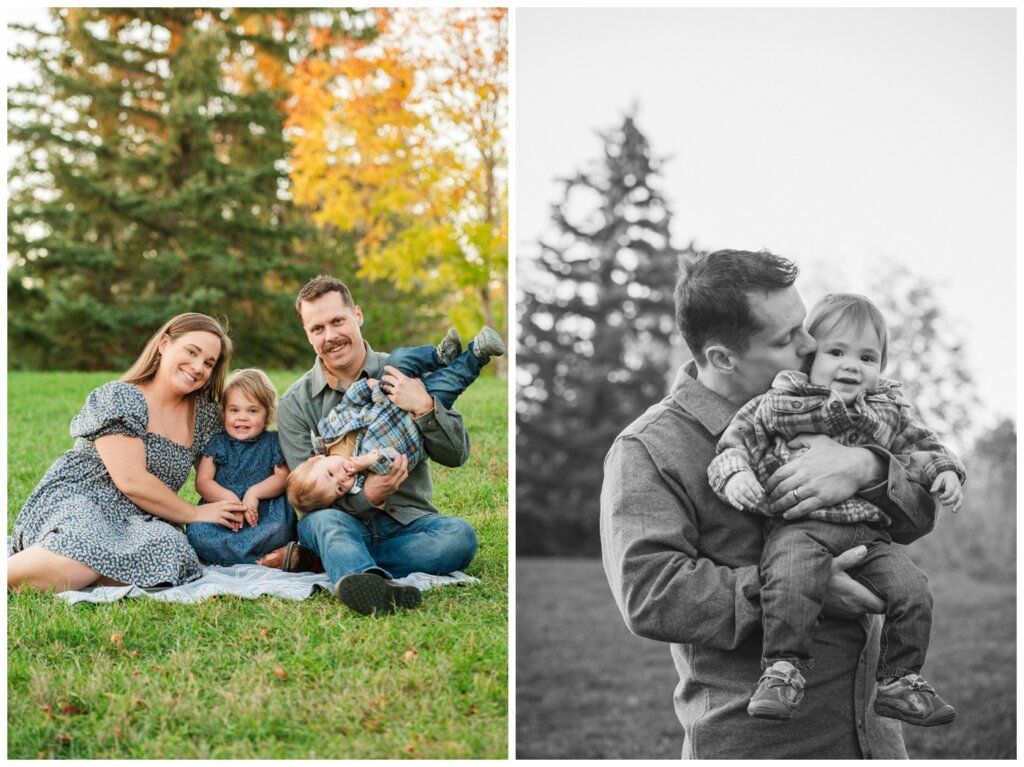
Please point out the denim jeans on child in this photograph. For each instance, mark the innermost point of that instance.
(446, 382)
(430, 544)
(795, 567)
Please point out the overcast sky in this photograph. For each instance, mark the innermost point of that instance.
(835, 137)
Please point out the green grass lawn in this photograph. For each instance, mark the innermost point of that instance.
(586, 688)
(266, 678)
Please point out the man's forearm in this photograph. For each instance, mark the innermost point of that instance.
(906, 503)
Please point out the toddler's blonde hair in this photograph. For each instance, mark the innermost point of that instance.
(255, 385)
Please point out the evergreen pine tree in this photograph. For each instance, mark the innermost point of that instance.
(594, 347)
(151, 179)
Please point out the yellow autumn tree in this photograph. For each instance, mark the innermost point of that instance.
(402, 140)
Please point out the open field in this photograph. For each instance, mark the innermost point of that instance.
(265, 678)
(586, 688)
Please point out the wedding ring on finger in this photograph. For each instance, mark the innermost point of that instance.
(796, 494)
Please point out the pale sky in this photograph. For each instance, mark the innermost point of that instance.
(835, 137)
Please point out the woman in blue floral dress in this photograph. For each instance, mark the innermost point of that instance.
(107, 511)
(245, 463)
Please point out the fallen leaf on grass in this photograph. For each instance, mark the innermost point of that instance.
(281, 672)
(115, 639)
(410, 656)
(62, 737)
(118, 732)
(140, 703)
(264, 633)
(70, 709)
(48, 710)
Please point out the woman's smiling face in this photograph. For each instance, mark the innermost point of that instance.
(187, 362)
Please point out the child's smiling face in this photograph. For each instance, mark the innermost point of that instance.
(244, 418)
(848, 360)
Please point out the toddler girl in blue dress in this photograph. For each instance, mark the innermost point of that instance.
(244, 463)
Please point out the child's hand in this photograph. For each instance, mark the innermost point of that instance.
(947, 487)
(252, 508)
(743, 490)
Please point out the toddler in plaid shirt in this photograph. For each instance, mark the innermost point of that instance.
(844, 397)
(367, 432)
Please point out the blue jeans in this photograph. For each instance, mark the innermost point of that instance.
(446, 382)
(430, 544)
(795, 567)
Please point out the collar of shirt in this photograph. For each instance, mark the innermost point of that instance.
(372, 368)
(713, 411)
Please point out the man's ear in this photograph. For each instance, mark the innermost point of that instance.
(721, 359)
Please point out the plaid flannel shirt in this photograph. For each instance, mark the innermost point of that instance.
(756, 439)
(380, 425)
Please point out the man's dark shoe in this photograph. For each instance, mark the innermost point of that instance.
(778, 693)
(450, 346)
(369, 593)
(487, 343)
(912, 700)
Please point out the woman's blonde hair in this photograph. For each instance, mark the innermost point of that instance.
(145, 367)
(255, 384)
(301, 493)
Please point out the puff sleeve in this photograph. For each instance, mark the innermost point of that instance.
(114, 408)
(276, 454)
(216, 447)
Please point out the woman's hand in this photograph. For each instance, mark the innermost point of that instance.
(252, 507)
(224, 513)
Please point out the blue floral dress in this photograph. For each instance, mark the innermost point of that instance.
(240, 465)
(78, 512)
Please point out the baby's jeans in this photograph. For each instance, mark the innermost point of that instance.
(795, 568)
(446, 382)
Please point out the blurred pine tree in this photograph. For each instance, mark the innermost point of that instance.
(151, 178)
(596, 318)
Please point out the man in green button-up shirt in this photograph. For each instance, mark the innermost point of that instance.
(683, 565)
(390, 528)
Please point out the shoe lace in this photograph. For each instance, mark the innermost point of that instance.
(917, 683)
(779, 678)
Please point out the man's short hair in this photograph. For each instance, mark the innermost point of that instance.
(713, 296)
(321, 285)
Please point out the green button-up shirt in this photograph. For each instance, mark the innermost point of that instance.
(683, 567)
(311, 398)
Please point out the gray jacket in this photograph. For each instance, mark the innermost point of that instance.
(683, 568)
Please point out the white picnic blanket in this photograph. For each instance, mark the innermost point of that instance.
(248, 581)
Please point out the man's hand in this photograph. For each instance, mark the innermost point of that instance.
(743, 490)
(379, 486)
(407, 393)
(845, 597)
(825, 474)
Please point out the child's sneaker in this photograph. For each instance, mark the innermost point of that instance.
(450, 346)
(779, 691)
(912, 700)
(487, 344)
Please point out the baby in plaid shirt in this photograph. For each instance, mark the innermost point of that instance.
(366, 431)
(844, 397)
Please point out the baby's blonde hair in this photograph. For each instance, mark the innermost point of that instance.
(255, 385)
(836, 309)
(301, 494)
